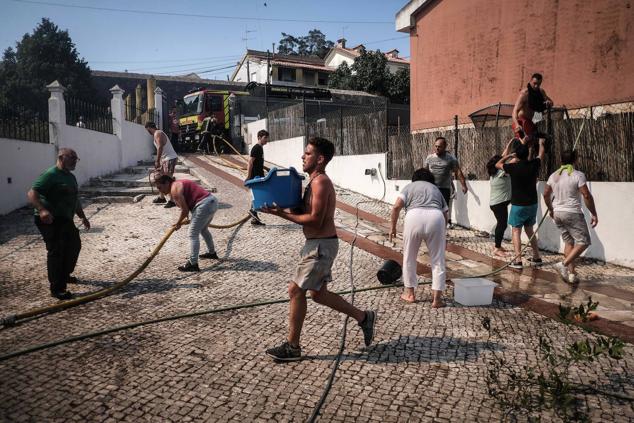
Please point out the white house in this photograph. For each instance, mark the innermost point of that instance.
(301, 70)
(283, 69)
(340, 54)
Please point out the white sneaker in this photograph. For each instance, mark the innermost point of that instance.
(572, 278)
(563, 270)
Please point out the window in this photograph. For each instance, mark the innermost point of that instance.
(214, 103)
(309, 77)
(322, 78)
(192, 104)
(286, 74)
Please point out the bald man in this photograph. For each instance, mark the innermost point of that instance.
(55, 197)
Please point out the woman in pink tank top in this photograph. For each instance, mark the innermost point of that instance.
(192, 198)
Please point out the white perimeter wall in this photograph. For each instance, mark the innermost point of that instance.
(99, 153)
(22, 162)
(611, 239)
(285, 153)
(136, 144)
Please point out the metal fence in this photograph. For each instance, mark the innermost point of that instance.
(83, 114)
(142, 116)
(603, 137)
(22, 124)
(353, 128)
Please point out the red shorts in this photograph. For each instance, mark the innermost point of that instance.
(527, 125)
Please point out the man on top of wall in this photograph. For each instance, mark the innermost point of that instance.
(531, 99)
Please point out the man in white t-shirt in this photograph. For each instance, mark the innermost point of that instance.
(166, 158)
(567, 186)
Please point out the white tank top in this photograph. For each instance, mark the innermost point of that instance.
(168, 150)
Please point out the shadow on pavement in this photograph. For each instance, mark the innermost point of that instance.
(417, 349)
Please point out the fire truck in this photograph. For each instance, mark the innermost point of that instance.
(199, 106)
(197, 109)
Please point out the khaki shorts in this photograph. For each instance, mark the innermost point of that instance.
(573, 227)
(315, 265)
(168, 166)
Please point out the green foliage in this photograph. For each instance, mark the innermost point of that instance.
(342, 78)
(550, 385)
(313, 44)
(579, 313)
(46, 55)
(370, 73)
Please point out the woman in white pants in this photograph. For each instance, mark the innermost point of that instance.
(425, 220)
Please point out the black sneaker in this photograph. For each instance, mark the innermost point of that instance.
(535, 262)
(254, 215)
(189, 267)
(209, 256)
(169, 204)
(285, 352)
(367, 326)
(64, 295)
(256, 222)
(159, 200)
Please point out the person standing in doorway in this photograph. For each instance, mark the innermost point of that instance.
(442, 164)
(55, 198)
(166, 158)
(318, 254)
(567, 185)
(256, 168)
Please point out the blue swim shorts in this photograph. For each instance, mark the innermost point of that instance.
(523, 215)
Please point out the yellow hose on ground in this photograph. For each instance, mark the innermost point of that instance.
(7, 321)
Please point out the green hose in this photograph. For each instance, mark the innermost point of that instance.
(166, 319)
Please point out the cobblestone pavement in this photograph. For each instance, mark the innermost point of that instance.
(425, 364)
(611, 285)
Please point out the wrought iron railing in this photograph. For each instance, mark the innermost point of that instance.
(83, 114)
(23, 124)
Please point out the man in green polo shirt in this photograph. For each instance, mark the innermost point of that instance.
(55, 198)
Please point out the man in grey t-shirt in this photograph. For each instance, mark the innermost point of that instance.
(442, 164)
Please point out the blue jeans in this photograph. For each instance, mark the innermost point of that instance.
(202, 214)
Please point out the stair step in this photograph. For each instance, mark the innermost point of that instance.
(93, 191)
(150, 163)
(127, 180)
(146, 169)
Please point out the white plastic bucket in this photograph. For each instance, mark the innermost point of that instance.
(473, 291)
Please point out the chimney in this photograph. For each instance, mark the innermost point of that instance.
(341, 42)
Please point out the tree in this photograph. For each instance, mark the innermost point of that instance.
(399, 86)
(370, 73)
(40, 58)
(342, 78)
(314, 44)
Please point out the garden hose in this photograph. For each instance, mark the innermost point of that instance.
(12, 319)
(165, 319)
(499, 269)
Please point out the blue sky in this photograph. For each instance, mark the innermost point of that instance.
(168, 44)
